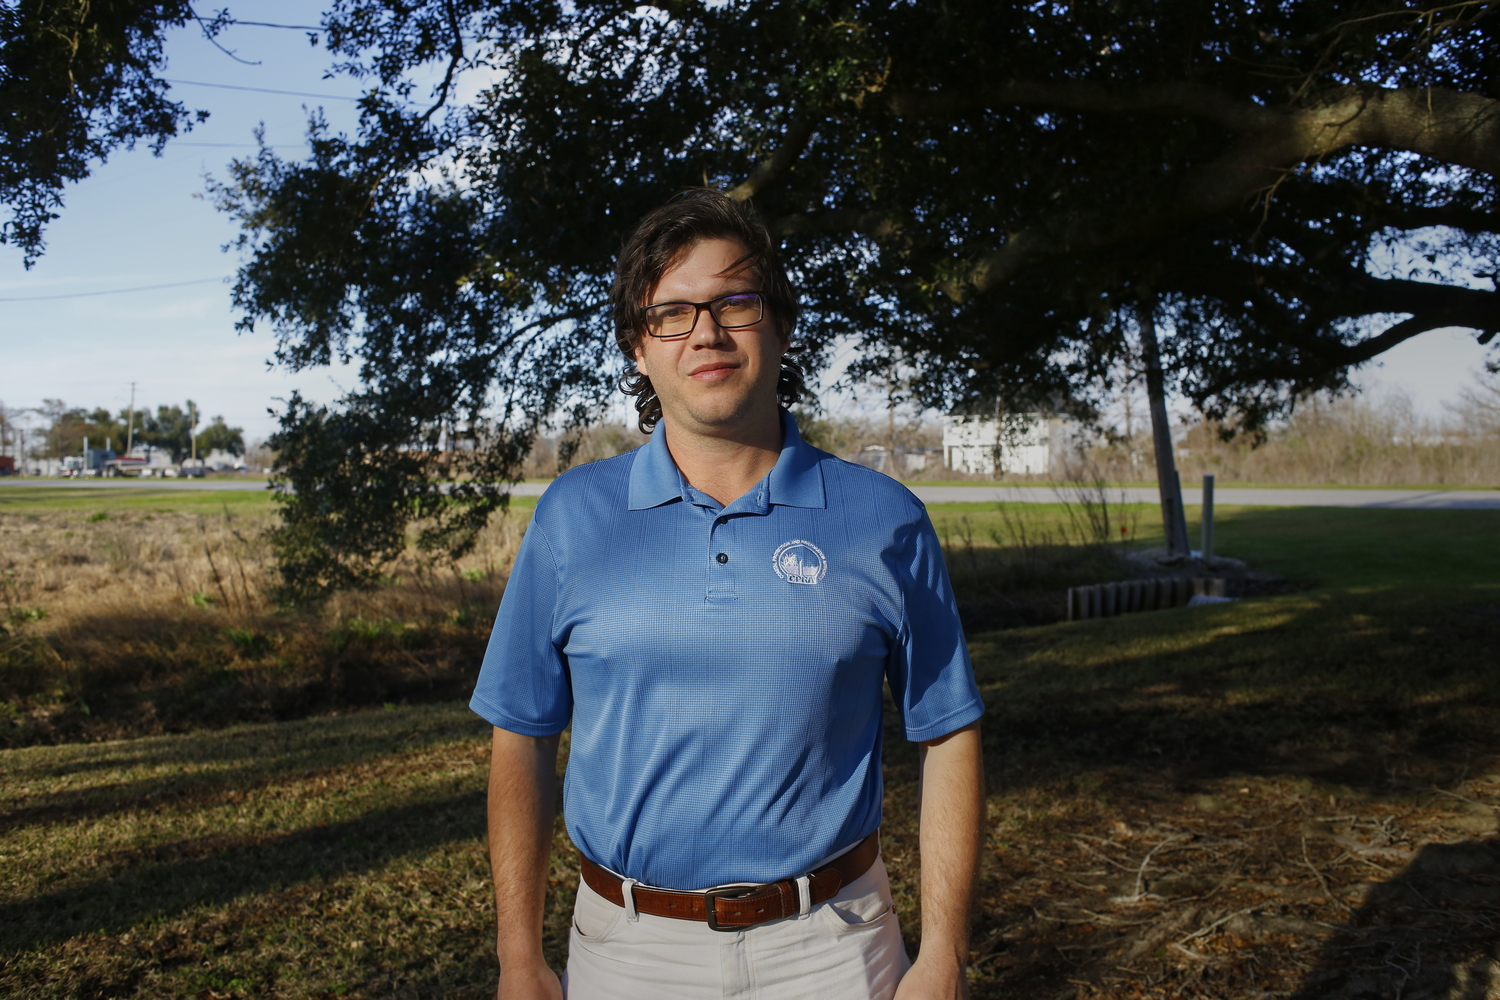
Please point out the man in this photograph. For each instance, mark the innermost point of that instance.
(714, 613)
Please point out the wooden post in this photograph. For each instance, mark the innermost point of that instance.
(1174, 519)
(1208, 518)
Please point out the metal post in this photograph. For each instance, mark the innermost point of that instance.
(1208, 518)
(130, 432)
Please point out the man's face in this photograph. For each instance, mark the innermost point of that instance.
(712, 381)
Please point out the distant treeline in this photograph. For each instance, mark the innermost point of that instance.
(64, 429)
(1375, 439)
(844, 436)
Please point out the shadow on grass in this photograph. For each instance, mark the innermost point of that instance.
(112, 675)
(1385, 692)
(205, 767)
(1363, 547)
(1380, 697)
(1342, 686)
(1433, 931)
(169, 879)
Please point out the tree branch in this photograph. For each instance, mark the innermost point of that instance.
(1404, 295)
(1189, 99)
(1457, 128)
(1432, 307)
(835, 221)
(769, 170)
(1422, 216)
(1486, 322)
(455, 56)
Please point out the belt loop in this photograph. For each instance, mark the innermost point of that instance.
(804, 897)
(627, 889)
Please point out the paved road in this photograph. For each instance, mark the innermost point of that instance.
(127, 483)
(1428, 499)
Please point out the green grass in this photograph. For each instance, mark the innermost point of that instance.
(1327, 546)
(1364, 547)
(136, 499)
(1188, 481)
(328, 857)
(343, 856)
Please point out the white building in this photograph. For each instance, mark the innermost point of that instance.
(1021, 443)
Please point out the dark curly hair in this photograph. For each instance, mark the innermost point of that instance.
(661, 240)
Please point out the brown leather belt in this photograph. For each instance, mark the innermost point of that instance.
(736, 907)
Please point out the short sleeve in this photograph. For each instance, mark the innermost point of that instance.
(929, 671)
(523, 684)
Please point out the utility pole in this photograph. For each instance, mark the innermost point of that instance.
(1174, 519)
(890, 425)
(192, 431)
(130, 432)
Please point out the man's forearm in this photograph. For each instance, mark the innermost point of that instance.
(952, 808)
(522, 787)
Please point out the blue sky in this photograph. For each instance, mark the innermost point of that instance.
(141, 220)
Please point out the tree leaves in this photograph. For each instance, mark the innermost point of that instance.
(77, 81)
(984, 192)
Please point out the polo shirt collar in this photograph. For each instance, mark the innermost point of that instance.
(795, 480)
(654, 479)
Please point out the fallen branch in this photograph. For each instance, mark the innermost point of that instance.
(1140, 874)
(1327, 892)
(1209, 928)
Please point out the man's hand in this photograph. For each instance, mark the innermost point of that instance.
(536, 982)
(952, 793)
(523, 782)
(933, 981)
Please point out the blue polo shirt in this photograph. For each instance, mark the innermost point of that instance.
(722, 665)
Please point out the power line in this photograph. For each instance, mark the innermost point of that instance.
(241, 145)
(264, 24)
(112, 291)
(261, 90)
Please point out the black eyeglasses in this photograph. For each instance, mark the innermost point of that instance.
(677, 319)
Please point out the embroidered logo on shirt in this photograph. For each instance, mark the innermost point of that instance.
(798, 561)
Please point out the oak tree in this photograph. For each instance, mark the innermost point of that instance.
(1001, 196)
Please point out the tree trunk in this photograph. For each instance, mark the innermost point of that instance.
(1173, 518)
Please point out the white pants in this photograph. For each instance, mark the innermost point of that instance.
(848, 948)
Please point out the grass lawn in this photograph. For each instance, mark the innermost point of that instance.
(1286, 796)
(1188, 481)
(93, 499)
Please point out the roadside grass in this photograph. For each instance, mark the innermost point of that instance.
(1315, 546)
(139, 499)
(1292, 795)
(1188, 481)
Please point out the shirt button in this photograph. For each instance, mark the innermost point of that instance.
(723, 558)
(723, 520)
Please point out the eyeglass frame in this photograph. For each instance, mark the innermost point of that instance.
(698, 308)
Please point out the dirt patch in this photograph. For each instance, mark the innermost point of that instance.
(1245, 887)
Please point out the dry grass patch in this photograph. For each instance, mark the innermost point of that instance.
(1177, 809)
(1291, 796)
(135, 621)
